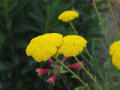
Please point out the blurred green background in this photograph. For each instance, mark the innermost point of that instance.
(21, 20)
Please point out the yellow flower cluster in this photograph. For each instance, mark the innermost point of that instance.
(43, 47)
(115, 53)
(68, 15)
(72, 45)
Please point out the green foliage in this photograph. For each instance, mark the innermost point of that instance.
(80, 88)
(21, 20)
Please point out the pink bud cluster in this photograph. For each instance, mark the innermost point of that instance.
(41, 72)
(52, 79)
(74, 66)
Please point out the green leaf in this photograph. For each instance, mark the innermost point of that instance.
(2, 39)
(22, 28)
(63, 71)
(2, 67)
(16, 60)
(73, 77)
(80, 88)
(1, 85)
(12, 5)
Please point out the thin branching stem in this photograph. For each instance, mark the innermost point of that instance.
(89, 74)
(74, 74)
(100, 19)
(66, 85)
(114, 17)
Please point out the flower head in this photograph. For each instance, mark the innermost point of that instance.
(115, 53)
(68, 15)
(76, 65)
(72, 45)
(43, 47)
(116, 61)
(44, 53)
(42, 71)
(52, 79)
(114, 47)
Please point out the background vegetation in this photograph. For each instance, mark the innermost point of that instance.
(21, 20)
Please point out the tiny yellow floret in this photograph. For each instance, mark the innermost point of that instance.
(44, 53)
(72, 45)
(43, 47)
(68, 15)
(115, 53)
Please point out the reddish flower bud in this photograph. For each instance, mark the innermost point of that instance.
(52, 79)
(76, 65)
(42, 71)
(51, 61)
(64, 59)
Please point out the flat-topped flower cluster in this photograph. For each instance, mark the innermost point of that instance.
(115, 53)
(43, 47)
(68, 15)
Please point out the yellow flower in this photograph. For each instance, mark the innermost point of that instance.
(44, 53)
(68, 15)
(46, 44)
(115, 53)
(116, 61)
(114, 47)
(72, 45)
(53, 39)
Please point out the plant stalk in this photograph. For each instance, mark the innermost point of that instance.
(72, 73)
(74, 30)
(114, 18)
(100, 19)
(89, 74)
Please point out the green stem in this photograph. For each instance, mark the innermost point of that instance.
(74, 30)
(8, 25)
(87, 52)
(89, 74)
(66, 85)
(7, 18)
(104, 45)
(83, 56)
(114, 18)
(95, 63)
(5, 6)
(72, 73)
(100, 19)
